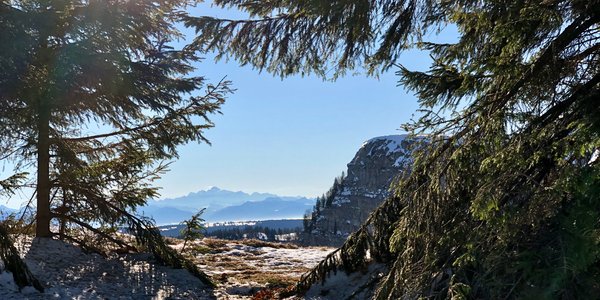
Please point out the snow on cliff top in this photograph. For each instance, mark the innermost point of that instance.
(393, 143)
(397, 138)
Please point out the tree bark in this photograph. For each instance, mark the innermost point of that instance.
(43, 216)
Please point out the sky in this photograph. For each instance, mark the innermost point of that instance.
(288, 136)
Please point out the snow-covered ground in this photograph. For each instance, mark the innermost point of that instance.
(339, 285)
(242, 268)
(238, 268)
(68, 273)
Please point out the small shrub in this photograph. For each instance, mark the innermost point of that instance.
(192, 229)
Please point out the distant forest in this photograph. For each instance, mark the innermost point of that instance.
(324, 201)
(255, 232)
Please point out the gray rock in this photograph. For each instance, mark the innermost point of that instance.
(366, 185)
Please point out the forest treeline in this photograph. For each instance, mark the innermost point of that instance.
(255, 232)
(324, 201)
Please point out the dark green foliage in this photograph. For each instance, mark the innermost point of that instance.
(307, 224)
(324, 201)
(9, 255)
(94, 96)
(13, 262)
(148, 235)
(287, 37)
(193, 228)
(9, 185)
(107, 66)
(503, 203)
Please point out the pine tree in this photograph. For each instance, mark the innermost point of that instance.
(192, 229)
(70, 69)
(108, 63)
(503, 201)
(318, 206)
(307, 221)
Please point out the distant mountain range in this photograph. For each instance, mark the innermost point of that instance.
(5, 211)
(267, 209)
(223, 205)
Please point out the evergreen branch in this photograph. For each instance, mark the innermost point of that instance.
(13, 263)
(551, 52)
(94, 230)
(149, 236)
(170, 116)
(589, 88)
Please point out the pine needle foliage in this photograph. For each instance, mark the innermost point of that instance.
(96, 98)
(192, 229)
(325, 201)
(13, 263)
(287, 37)
(9, 255)
(503, 203)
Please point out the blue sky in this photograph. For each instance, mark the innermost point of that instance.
(290, 136)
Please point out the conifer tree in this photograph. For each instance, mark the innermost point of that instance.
(104, 64)
(192, 229)
(503, 201)
(307, 221)
(95, 97)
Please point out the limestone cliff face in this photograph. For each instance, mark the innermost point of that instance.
(366, 185)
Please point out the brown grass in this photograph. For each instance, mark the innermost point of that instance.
(259, 243)
(271, 280)
(214, 243)
(171, 240)
(234, 265)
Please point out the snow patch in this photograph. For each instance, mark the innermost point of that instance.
(390, 143)
(357, 285)
(339, 201)
(68, 273)
(400, 161)
(594, 157)
(346, 192)
(7, 282)
(397, 139)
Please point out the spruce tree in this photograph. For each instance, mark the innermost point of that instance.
(193, 229)
(503, 201)
(95, 98)
(307, 221)
(108, 66)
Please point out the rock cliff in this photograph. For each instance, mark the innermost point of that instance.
(369, 175)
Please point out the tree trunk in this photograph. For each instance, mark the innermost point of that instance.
(42, 228)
